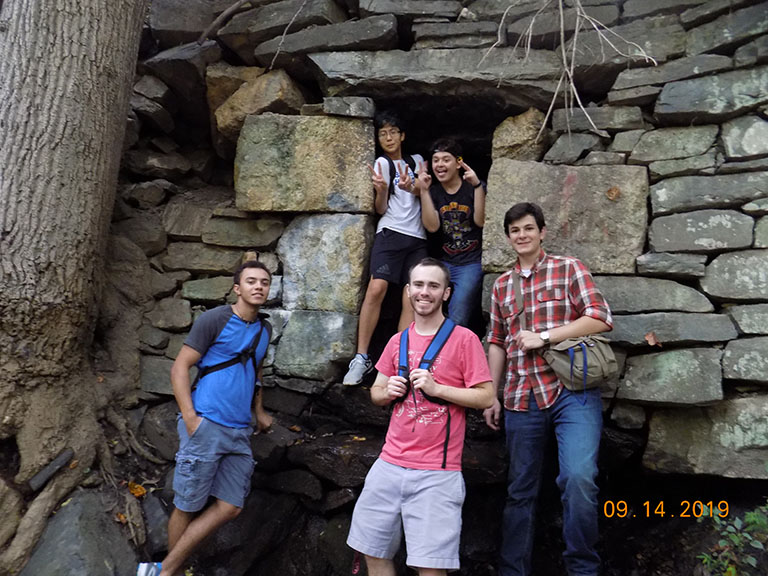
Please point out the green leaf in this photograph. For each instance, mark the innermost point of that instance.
(731, 528)
(757, 544)
(738, 523)
(751, 560)
(735, 539)
(722, 543)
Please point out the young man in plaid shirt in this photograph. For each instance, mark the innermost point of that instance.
(560, 302)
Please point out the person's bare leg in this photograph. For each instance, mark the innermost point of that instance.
(213, 517)
(406, 313)
(432, 572)
(177, 523)
(370, 312)
(379, 566)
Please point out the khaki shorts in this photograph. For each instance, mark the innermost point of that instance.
(425, 504)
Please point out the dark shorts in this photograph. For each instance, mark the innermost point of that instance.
(215, 461)
(393, 254)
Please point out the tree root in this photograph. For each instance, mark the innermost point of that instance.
(128, 438)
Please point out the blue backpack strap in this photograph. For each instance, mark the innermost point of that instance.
(434, 348)
(402, 368)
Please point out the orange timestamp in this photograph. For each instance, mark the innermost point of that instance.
(661, 509)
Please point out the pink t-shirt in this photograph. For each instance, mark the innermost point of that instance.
(416, 433)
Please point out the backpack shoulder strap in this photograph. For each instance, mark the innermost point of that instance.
(434, 348)
(402, 365)
(392, 172)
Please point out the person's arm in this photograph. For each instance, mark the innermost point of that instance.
(386, 388)
(497, 362)
(262, 418)
(429, 216)
(478, 396)
(380, 188)
(182, 387)
(583, 326)
(479, 194)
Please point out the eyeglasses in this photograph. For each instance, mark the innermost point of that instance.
(394, 133)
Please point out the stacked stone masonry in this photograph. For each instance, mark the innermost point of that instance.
(257, 139)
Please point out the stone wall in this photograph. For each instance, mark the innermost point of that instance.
(665, 198)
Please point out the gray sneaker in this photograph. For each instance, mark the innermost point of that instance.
(358, 368)
(148, 569)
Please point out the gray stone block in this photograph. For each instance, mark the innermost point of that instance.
(747, 359)
(682, 377)
(159, 427)
(568, 148)
(745, 138)
(712, 98)
(605, 158)
(313, 342)
(341, 459)
(200, 258)
(186, 214)
(660, 169)
(156, 521)
(703, 231)
(151, 164)
(146, 231)
(611, 118)
(628, 294)
(680, 69)
(596, 213)
(694, 192)
(633, 9)
(546, 29)
(411, 8)
(332, 275)
(672, 265)
(760, 165)
(640, 96)
(729, 439)
(710, 10)
(738, 276)
(670, 143)
(259, 234)
(304, 164)
(172, 314)
(351, 106)
(751, 54)
(729, 31)
(210, 290)
(155, 375)
(750, 318)
(672, 328)
(625, 141)
(761, 233)
(454, 35)
(628, 416)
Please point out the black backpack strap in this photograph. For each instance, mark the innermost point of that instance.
(259, 342)
(393, 171)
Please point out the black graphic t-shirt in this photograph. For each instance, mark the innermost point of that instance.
(461, 240)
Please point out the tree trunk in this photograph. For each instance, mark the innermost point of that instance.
(65, 77)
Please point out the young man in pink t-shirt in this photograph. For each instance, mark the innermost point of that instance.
(417, 481)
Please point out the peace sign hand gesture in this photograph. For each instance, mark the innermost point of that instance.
(379, 184)
(406, 182)
(469, 174)
(423, 179)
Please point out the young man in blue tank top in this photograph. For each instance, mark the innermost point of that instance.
(228, 345)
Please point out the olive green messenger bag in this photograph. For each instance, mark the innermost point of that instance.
(579, 363)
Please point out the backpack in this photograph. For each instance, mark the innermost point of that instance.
(392, 171)
(256, 349)
(430, 354)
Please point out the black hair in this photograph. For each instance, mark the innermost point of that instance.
(385, 117)
(447, 145)
(437, 264)
(521, 210)
(251, 264)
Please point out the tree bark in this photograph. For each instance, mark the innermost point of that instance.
(65, 77)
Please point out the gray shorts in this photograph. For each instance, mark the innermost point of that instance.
(426, 503)
(215, 461)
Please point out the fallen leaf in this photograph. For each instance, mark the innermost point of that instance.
(136, 489)
(652, 339)
(120, 517)
(67, 501)
(73, 464)
(100, 378)
(294, 428)
(358, 438)
(613, 193)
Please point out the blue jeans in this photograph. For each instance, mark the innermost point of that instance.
(467, 281)
(577, 429)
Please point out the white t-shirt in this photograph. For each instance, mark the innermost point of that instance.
(404, 209)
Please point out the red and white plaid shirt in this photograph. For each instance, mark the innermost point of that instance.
(559, 290)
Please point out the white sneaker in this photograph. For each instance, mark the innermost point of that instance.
(148, 569)
(358, 368)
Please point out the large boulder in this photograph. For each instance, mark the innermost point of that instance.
(690, 376)
(628, 294)
(729, 439)
(332, 275)
(272, 92)
(313, 341)
(463, 72)
(82, 538)
(738, 276)
(596, 213)
(247, 30)
(694, 192)
(701, 231)
(304, 164)
(713, 98)
(343, 459)
(521, 137)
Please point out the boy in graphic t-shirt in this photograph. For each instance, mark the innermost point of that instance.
(400, 238)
